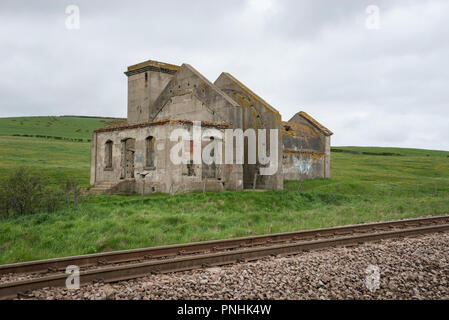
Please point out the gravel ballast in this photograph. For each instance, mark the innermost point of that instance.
(409, 268)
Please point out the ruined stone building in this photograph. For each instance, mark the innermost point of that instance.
(306, 148)
(162, 98)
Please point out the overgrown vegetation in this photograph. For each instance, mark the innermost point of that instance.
(27, 192)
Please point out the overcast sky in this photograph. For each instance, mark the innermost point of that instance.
(385, 86)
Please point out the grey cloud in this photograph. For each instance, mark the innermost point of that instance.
(369, 87)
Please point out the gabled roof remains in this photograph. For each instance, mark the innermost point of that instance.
(151, 65)
(312, 121)
(248, 91)
(203, 90)
(210, 84)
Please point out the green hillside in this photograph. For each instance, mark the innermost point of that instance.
(66, 127)
(365, 186)
(22, 144)
(59, 160)
(398, 151)
(409, 169)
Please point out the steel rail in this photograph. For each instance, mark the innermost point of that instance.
(136, 270)
(198, 247)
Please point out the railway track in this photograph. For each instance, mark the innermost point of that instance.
(128, 264)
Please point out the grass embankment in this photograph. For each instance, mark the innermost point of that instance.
(55, 156)
(59, 160)
(105, 223)
(113, 223)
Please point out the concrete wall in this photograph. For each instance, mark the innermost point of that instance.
(256, 114)
(159, 91)
(190, 96)
(145, 83)
(186, 107)
(306, 150)
(304, 165)
(327, 158)
(165, 176)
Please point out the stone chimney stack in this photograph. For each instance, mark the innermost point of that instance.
(146, 81)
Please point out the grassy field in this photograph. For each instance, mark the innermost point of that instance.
(413, 168)
(102, 223)
(65, 127)
(59, 159)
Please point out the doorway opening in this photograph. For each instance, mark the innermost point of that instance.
(128, 155)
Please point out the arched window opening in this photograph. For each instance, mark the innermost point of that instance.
(108, 155)
(149, 147)
(209, 170)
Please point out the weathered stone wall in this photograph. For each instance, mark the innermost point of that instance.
(306, 149)
(163, 97)
(256, 114)
(190, 96)
(145, 83)
(164, 176)
(303, 165)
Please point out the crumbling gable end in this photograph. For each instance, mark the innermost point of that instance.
(190, 96)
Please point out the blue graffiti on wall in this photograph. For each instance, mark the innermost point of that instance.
(305, 166)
